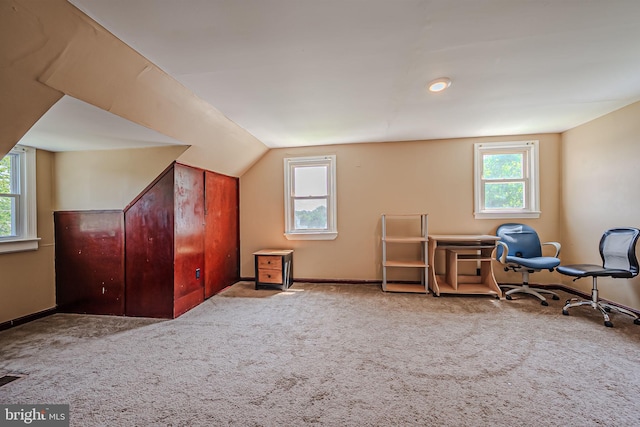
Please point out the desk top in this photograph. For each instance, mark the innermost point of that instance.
(273, 252)
(462, 237)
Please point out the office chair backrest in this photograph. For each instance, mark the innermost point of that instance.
(618, 249)
(522, 240)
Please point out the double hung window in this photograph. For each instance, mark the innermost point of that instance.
(310, 197)
(18, 201)
(506, 180)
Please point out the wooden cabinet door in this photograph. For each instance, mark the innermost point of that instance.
(189, 238)
(222, 248)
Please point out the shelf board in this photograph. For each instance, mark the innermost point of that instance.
(466, 288)
(418, 263)
(406, 287)
(471, 257)
(467, 279)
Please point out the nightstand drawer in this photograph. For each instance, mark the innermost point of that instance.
(270, 276)
(270, 262)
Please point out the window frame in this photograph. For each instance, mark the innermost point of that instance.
(531, 179)
(290, 164)
(25, 238)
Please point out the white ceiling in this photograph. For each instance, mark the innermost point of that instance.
(312, 72)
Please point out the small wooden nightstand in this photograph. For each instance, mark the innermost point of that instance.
(274, 268)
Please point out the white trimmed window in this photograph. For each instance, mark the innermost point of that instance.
(310, 198)
(506, 180)
(18, 216)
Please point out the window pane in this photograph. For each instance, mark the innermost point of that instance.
(7, 216)
(310, 181)
(508, 195)
(502, 166)
(6, 173)
(310, 214)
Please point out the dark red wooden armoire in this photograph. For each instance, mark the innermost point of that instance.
(181, 245)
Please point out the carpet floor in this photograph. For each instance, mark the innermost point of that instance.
(335, 355)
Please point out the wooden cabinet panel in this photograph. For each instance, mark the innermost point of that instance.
(149, 226)
(89, 262)
(222, 239)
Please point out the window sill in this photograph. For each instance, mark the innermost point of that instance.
(311, 236)
(506, 215)
(19, 245)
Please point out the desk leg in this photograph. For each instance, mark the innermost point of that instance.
(433, 281)
(452, 269)
(488, 278)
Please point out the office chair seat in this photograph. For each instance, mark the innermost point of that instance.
(619, 261)
(537, 263)
(588, 270)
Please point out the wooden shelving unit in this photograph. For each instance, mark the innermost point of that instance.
(458, 250)
(413, 223)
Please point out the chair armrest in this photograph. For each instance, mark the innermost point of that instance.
(556, 245)
(505, 252)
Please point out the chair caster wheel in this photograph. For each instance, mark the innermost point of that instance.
(556, 297)
(608, 324)
(565, 312)
(636, 321)
(508, 297)
(607, 309)
(567, 302)
(544, 303)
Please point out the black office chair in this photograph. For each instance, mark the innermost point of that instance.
(520, 250)
(618, 253)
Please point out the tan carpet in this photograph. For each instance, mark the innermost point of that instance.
(336, 355)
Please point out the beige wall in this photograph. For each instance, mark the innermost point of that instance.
(108, 179)
(435, 177)
(601, 190)
(27, 281)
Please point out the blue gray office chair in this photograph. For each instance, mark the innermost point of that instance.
(618, 253)
(519, 249)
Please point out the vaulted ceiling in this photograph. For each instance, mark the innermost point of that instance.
(309, 72)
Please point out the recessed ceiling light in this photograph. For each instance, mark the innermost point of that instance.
(440, 84)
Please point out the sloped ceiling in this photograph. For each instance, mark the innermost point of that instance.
(52, 52)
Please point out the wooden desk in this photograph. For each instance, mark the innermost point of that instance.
(274, 268)
(463, 249)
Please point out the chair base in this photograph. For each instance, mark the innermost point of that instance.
(525, 289)
(604, 308)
